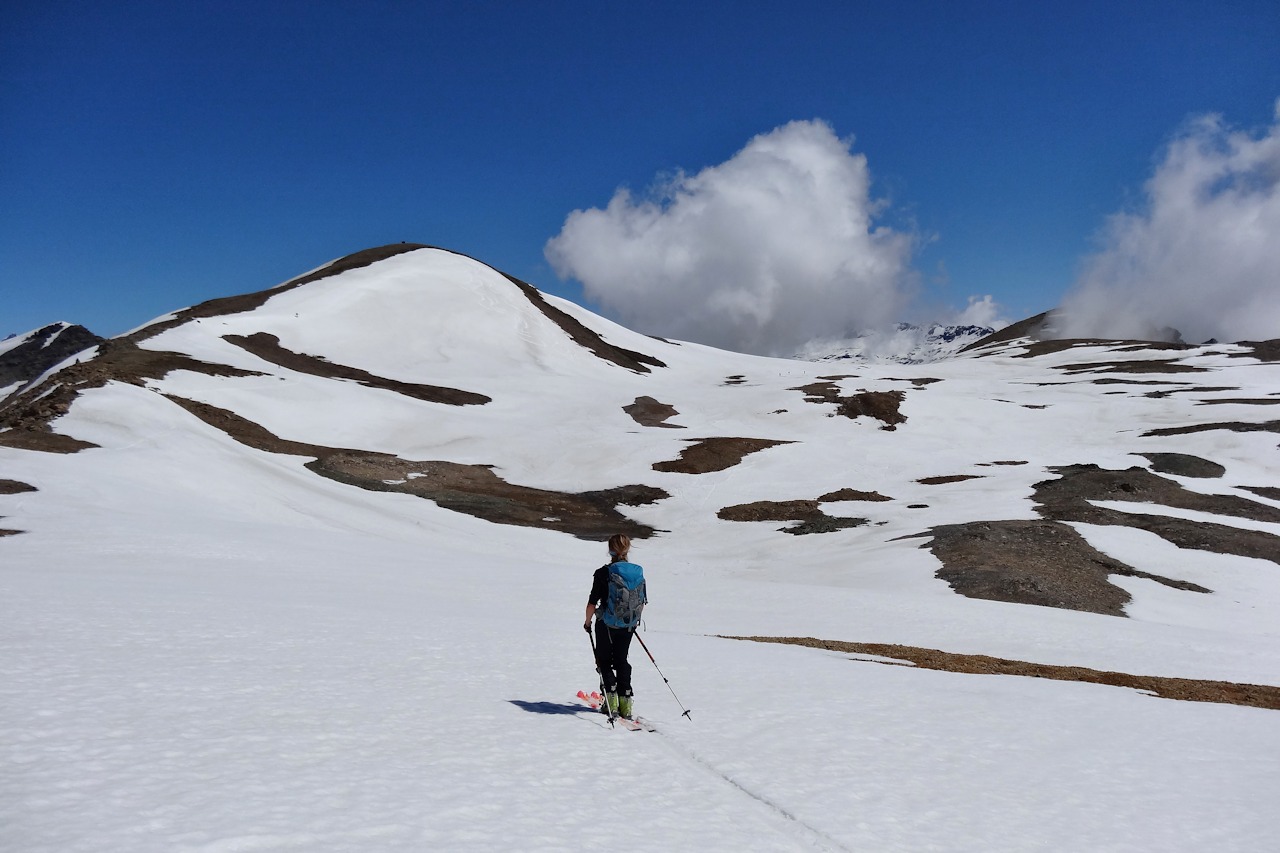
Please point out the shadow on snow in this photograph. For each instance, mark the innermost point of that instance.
(550, 707)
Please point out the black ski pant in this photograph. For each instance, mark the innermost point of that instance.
(611, 657)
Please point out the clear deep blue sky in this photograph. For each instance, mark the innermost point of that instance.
(156, 154)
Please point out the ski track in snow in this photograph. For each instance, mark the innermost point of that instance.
(812, 837)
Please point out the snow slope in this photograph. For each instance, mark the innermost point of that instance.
(204, 646)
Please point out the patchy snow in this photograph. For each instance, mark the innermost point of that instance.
(205, 647)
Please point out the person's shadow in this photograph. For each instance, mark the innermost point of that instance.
(550, 707)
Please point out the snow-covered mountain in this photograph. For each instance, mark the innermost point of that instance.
(906, 343)
(305, 569)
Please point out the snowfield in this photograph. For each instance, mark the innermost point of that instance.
(205, 646)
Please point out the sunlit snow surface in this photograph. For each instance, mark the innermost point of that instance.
(206, 647)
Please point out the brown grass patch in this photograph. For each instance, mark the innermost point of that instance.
(1069, 497)
(1188, 389)
(1240, 401)
(949, 478)
(919, 382)
(1271, 492)
(1235, 426)
(648, 412)
(809, 518)
(715, 454)
(853, 495)
(1045, 563)
(1138, 366)
(43, 439)
(1048, 563)
(884, 406)
(1183, 465)
(1184, 689)
(1261, 350)
(770, 511)
(15, 487)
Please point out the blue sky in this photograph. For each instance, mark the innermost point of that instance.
(156, 154)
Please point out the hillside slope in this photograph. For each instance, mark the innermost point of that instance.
(335, 537)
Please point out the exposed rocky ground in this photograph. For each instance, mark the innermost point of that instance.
(647, 411)
(705, 455)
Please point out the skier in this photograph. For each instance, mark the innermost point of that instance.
(617, 598)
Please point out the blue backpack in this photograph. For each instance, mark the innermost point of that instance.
(627, 596)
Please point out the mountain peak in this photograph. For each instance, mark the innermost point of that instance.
(24, 358)
(906, 343)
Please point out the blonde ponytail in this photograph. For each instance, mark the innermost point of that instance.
(620, 547)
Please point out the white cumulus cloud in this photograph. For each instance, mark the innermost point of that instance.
(772, 248)
(981, 311)
(1202, 256)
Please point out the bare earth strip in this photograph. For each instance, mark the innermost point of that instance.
(267, 347)
(1139, 366)
(1269, 426)
(948, 478)
(1186, 689)
(15, 487)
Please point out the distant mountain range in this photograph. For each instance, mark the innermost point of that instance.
(905, 344)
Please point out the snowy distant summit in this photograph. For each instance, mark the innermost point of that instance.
(905, 344)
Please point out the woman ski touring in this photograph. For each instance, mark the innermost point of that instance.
(617, 598)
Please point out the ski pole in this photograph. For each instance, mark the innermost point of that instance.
(603, 696)
(664, 678)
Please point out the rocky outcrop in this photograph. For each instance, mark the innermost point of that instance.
(43, 349)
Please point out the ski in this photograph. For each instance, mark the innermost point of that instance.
(644, 724)
(595, 701)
